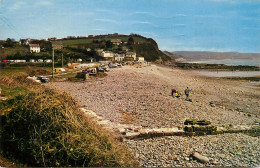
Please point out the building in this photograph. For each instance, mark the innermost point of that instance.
(31, 60)
(119, 57)
(79, 60)
(140, 59)
(116, 41)
(35, 48)
(40, 60)
(24, 42)
(131, 54)
(107, 55)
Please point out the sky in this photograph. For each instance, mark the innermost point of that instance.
(176, 25)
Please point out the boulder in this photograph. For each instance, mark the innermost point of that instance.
(200, 158)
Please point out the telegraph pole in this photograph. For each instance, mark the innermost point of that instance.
(52, 61)
(62, 59)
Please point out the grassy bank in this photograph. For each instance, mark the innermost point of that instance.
(42, 127)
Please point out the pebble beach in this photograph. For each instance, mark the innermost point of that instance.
(141, 96)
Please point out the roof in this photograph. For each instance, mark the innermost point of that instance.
(115, 40)
(34, 45)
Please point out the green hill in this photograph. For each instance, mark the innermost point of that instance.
(84, 48)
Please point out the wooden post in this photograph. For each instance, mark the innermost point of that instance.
(52, 61)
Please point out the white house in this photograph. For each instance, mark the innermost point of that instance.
(40, 60)
(119, 57)
(140, 59)
(31, 60)
(131, 54)
(107, 55)
(35, 48)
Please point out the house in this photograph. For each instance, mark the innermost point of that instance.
(131, 54)
(35, 48)
(31, 60)
(116, 41)
(107, 55)
(140, 59)
(40, 60)
(57, 45)
(24, 42)
(119, 57)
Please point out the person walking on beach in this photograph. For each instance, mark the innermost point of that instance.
(187, 93)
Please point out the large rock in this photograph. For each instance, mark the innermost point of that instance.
(200, 158)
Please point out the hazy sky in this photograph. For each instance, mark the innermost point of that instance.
(208, 25)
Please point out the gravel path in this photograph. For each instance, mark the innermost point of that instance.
(141, 96)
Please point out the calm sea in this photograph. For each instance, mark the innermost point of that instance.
(228, 73)
(255, 62)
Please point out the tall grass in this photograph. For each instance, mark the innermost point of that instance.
(45, 128)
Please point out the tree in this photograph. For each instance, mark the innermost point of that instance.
(9, 43)
(130, 41)
(109, 44)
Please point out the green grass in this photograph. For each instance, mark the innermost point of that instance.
(11, 92)
(12, 71)
(17, 71)
(254, 132)
(75, 42)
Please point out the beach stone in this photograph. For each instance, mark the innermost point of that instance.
(200, 158)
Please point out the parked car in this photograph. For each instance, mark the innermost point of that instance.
(43, 79)
(101, 69)
(112, 66)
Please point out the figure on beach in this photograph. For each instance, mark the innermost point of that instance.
(187, 93)
(177, 94)
(173, 92)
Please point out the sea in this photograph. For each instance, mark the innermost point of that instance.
(255, 62)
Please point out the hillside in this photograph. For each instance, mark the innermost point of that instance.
(144, 47)
(85, 48)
